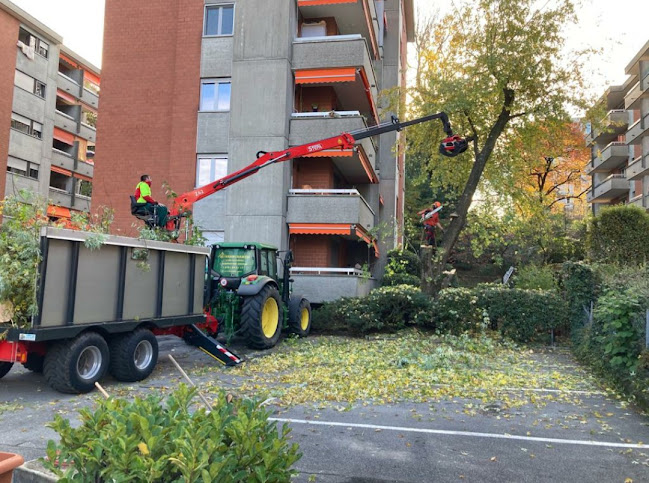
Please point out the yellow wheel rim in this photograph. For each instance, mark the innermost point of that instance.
(270, 317)
(304, 319)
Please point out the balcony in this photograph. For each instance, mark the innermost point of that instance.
(357, 166)
(637, 169)
(62, 159)
(329, 206)
(351, 18)
(60, 198)
(87, 132)
(342, 62)
(614, 124)
(85, 169)
(65, 122)
(320, 285)
(638, 201)
(638, 92)
(637, 131)
(611, 157)
(66, 84)
(90, 98)
(614, 186)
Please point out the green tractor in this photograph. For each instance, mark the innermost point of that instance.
(250, 299)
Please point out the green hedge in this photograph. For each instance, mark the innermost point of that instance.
(522, 315)
(619, 234)
(386, 309)
(579, 284)
(403, 268)
(145, 440)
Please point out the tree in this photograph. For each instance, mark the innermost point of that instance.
(495, 66)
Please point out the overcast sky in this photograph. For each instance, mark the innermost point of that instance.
(620, 27)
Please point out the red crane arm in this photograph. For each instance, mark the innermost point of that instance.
(184, 202)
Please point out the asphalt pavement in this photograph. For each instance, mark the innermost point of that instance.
(587, 437)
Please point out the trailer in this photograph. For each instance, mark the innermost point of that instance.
(99, 311)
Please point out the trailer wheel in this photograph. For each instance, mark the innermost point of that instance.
(133, 355)
(75, 365)
(4, 368)
(299, 316)
(261, 318)
(34, 362)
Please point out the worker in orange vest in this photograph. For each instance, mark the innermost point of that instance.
(430, 219)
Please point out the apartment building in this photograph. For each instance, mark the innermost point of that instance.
(193, 92)
(49, 103)
(619, 166)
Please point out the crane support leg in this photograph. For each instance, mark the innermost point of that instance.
(194, 336)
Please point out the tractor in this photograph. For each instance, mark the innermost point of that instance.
(251, 298)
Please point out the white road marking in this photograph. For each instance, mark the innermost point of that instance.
(463, 433)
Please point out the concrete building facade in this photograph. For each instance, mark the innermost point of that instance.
(619, 165)
(207, 85)
(48, 101)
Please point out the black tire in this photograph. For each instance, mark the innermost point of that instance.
(73, 366)
(34, 362)
(4, 368)
(133, 355)
(299, 316)
(257, 324)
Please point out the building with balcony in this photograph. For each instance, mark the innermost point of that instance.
(215, 82)
(50, 104)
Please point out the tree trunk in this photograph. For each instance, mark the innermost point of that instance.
(452, 234)
(428, 274)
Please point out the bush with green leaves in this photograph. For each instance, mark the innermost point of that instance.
(535, 277)
(578, 284)
(385, 309)
(619, 235)
(521, 315)
(146, 440)
(403, 268)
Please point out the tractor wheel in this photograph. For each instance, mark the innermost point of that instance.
(261, 318)
(4, 368)
(299, 316)
(133, 355)
(34, 362)
(75, 365)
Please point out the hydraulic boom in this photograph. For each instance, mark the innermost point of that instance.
(451, 146)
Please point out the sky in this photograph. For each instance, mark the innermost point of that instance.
(603, 24)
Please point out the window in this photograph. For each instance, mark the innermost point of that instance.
(210, 169)
(26, 125)
(215, 95)
(60, 182)
(29, 84)
(84, 188)
(219, 20)
(22, 167)
(41, 47)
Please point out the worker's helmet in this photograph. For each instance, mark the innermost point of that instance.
(452, 146)
(437, 204)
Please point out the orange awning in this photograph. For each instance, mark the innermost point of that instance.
(56, 169)
(63, 136)
(333, 229)
(368, 93)
(90, 77)
(367, 166)
(82, 176)
(331, 153)
(323, 76)
(308, 3)
(66, 96)
(58, 211)
(68, 60)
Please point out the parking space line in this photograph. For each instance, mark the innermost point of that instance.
(462, 433)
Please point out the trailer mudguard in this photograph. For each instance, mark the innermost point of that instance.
(253, 287)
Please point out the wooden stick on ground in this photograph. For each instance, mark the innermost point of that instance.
(101, 390)
(191, 383)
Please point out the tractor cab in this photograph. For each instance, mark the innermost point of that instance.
(237, 264)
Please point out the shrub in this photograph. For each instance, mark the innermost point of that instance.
(145, 441)
(619, 235)
(578, 284)
(385, 309)
(403, 268)
(522, 315)
(535, 277)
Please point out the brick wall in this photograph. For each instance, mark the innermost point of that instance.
(323, 97)
(149, 101)
(318, 173)
(311, 250)
(8, 38)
